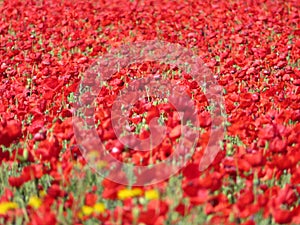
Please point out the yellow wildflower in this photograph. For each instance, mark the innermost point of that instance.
(151, 194)
(129, 193)
(87, 210)
(6, 206)
(101, 164)
(80, 215)
(34, 202)
(42, 193)
(93, 155)
(99, 208)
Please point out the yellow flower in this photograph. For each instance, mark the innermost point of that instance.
(93, 155)
(129, 193)
(99, 208)
(101, 164)
(151, 194)
(42, 193)
(87, 210)
(80, 215)
(6, 206)
(34, 202)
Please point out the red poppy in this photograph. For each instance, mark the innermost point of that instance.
(9, 131)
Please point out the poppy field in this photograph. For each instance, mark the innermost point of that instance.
(249, 52)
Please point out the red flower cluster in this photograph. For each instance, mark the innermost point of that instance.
(253, 49)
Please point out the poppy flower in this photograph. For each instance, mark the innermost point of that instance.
(9, 132)
(43, 58)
